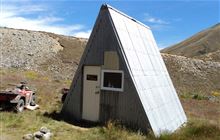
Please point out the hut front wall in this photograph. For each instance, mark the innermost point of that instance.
(125, 106)
(72, 107)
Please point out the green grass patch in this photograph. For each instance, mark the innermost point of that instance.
(196, 96)
(12, 120)
(32, 121)
(14, 126)
(31, 75)
(68, 82)
(199, 97)
(2, 72)
(216, 93)
(45, 78)
(202, 130)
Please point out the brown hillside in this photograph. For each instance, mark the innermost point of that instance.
(48, 61)
(193, 76)
(44, 52)
(66, 61)
(203, 45)
(59, 55)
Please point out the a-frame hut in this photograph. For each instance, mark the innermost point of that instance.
(122, 76)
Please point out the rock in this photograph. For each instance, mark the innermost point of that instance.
(47, 136)
(44, 130)
(28, 137)
(43, 134)
(212, 98)
(38, 134)
(36, 138)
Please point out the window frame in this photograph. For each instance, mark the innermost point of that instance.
(110, 88)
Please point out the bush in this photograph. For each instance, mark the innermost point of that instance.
(32, 75)
(201, 130)
(195, 96)
(216, 93)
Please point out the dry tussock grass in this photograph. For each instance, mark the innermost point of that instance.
(14, 126)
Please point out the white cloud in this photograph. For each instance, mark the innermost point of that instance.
(154, 20)
(156, 23)
(162, 46)
(83, 34)
(19, 17)
(159, 27)
(13, 10)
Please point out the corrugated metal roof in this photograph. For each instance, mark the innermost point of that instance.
(149, 74)
(110, 7)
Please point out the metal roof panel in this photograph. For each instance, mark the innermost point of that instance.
(149, 74)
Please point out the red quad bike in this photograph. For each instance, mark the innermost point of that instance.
(18, 98)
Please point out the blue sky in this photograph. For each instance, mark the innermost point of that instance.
(171, 21)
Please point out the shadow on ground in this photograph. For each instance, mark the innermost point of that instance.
(58, 117)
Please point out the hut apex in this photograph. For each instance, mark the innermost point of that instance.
(122, 76)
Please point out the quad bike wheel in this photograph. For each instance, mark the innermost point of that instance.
(33, 100)
(20, 106)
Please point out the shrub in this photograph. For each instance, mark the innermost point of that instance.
(216, 93)
(201, 129)
(32, 75)
(195, 96)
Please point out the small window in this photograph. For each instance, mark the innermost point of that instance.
(112, 80)
(91, 77)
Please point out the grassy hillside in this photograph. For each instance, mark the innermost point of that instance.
(196, 81)
(204, 45)
(203, 115)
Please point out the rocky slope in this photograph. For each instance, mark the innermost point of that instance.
(193, 76)
(59, 56)
(26, 49)
(40, 51)
(204, 45)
